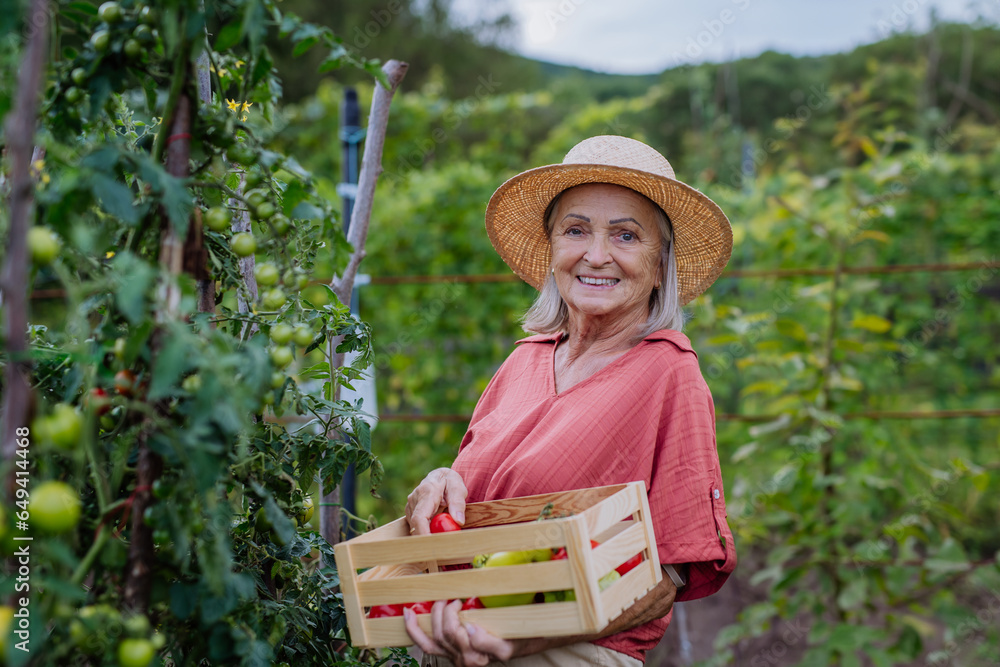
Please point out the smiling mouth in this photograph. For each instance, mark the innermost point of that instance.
(602, 282)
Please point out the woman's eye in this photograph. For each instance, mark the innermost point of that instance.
(627, 236)
(574, 231)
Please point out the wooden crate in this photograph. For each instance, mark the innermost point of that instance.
(390, 566)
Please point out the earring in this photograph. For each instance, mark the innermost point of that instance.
(553, 269)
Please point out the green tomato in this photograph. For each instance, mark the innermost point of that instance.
(6, 625)
(282, 355)
(144, 34)
(73, 95)
(54, 507)
(79, 76)
(119, 348)
(261, 522)
(265, 211)
(133, 49)
(282, 333)
(147, 15)
(217, 218)
(243, 244)
(136, 652)
(191, 384)
(277, 380)
(110, 12)
(303, 335)
(266, 274)
(65, 426)
(101, 41)
(307, 511)
(255, 198)
(137, 626)
(43, 245)
(505, 558)
(273, 299)
(253, 179)
(281, 224)
(242, 155)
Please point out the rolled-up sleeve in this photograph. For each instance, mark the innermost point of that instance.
(686, 498)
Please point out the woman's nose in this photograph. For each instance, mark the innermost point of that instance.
(599, 251)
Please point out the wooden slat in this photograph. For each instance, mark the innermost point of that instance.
(380, 572)
(548, 620)
(652, 553)
(613, 530)
(352, 603)
(623, 593)
(619, 549)
(584, 576)
(392, 530)
(527, 508)
(460, 544)
(527, 578)
(614, 508)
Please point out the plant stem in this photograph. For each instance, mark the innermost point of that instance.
(173, 99)
(88, 560)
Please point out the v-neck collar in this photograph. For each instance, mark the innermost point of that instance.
(675, 337)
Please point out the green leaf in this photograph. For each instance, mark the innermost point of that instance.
(950, 557)
(229, 36)
(854, 593)
(171, 363)
(872, 323)
(134, 278)
(115, 198)
(792, 329)
(304, 45)
(183, 599)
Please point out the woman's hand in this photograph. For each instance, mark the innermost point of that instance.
(465, 644)
(441, 489)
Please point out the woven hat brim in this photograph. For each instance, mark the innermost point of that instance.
(703, 237)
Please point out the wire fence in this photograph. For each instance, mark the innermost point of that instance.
(730, 274)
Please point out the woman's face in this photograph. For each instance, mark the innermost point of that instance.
(605, 251)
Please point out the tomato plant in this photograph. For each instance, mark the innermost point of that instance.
(143, 229)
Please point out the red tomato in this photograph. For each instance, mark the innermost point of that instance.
(444, 523)
(419, 607)
(629, 564)
(99, 401)
(125, 382)
(560, 553)
(385, 610)
(457, 566)
(473, 603)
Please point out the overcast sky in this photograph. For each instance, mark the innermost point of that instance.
(646, 36)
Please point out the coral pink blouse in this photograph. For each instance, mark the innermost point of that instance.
(646, 416)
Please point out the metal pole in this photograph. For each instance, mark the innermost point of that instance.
(351, 135)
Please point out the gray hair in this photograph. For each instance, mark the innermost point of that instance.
(549, 314)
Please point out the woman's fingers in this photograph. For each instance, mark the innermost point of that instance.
(485, 643)
(419, 637)
(441, 488)
(450, 632)
(455, 493)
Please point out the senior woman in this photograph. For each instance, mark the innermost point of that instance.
(607, 391)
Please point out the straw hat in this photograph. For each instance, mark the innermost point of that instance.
(515, 217)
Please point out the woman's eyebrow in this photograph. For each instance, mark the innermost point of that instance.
(576, 215)
(617, 220)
